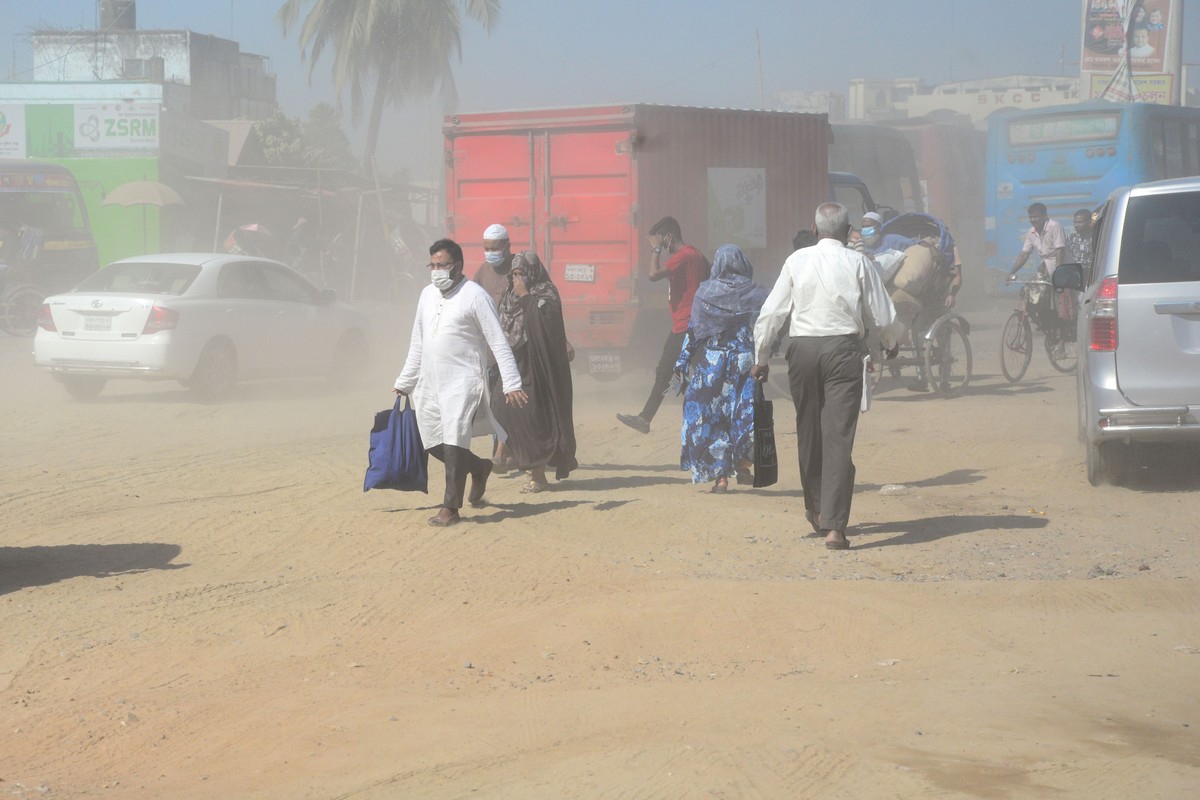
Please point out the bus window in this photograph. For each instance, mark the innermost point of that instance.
(1173, 148)
(1192, 149)
(1158, 150)
(47, 237)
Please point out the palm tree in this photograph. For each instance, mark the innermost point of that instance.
(403, 48)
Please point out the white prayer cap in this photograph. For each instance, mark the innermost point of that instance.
(495, 232)
(872, 217)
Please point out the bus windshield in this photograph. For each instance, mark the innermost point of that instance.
(1064, 128)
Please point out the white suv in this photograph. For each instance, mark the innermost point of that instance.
(1139, 325)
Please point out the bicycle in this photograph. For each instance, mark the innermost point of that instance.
(1016, 343)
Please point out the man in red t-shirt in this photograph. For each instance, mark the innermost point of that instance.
(684, 268)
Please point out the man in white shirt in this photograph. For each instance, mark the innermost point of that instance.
(831, 296)
(456, 324)
(1046, 237)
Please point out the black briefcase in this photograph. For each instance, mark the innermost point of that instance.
(766, 462)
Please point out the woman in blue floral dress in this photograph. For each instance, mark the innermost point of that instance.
(718, 407)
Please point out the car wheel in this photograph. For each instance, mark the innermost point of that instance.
(350, 358)
(1107, 463)
(82, 387)
(216, 371)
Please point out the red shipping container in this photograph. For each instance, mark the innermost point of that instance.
(583, 186)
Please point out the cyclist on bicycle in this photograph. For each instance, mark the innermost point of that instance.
(1047, 238)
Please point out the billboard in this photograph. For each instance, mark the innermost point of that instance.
(12, 131)
(116, 126)
(1131, 44)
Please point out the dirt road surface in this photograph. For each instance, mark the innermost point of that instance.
(199, 601)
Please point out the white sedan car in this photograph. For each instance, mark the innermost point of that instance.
(204, 319)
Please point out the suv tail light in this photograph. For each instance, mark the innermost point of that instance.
(1104, 317)
(160, 319)
(45, 320)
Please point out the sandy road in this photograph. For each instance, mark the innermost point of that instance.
(199, 601)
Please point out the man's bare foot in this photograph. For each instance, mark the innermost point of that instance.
(444, 518)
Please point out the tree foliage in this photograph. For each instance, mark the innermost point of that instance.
(399, 49)
(319, 141)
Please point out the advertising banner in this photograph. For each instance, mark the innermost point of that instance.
(1150, 88)
(116, 126)
(1126, 39)
(737, 206)
(12, 131)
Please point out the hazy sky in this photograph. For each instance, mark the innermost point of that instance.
(685, 52)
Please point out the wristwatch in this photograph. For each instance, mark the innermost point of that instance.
(658, 249)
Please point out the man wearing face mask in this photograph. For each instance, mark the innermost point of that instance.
(492, 274)
(456, 325)
(871, 222)
(684, 268)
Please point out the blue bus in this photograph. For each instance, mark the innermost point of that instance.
(1071, 157)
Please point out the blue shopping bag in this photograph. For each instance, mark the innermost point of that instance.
(397, 459)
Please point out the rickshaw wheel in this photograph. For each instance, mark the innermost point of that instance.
(948, 358)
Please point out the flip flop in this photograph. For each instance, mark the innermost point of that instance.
(720, 488)
(840, 544)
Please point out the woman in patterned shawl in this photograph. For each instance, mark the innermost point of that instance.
(542, 433)
(718, 408)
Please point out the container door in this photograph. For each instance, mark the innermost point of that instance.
(586, 232)
(490, 178)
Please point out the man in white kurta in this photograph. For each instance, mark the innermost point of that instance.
(445, 373)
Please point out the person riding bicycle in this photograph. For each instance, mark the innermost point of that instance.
(1047, 238)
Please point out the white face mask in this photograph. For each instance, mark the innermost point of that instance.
(493, 257)
(441, 279)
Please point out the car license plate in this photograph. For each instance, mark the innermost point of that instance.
(581, 273)
(604, 362)
(95, 322)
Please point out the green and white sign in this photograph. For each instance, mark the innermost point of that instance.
(116, 126)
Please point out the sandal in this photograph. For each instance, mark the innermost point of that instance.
(721, 486)
(533, 487)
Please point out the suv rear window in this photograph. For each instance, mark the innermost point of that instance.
(141, 278)
(1160, 241)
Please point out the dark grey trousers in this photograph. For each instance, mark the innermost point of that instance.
(825, 374)
(460, 462)
(662, 374)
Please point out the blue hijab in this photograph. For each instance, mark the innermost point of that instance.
(729, 299)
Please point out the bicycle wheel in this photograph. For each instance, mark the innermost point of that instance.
(19, 310)
(1016, 347)
(948, 359)
(1062, 354)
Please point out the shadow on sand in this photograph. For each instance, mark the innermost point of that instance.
(931, 529)
(22, 567)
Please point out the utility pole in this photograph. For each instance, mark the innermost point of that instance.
(762, 104)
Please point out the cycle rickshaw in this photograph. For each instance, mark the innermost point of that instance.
(930, 337)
